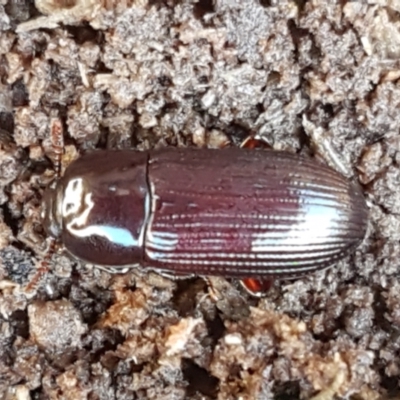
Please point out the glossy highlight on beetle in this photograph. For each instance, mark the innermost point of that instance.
(230, 212)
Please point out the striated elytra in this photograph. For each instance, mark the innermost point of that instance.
(230, 212)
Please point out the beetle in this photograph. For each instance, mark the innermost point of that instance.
(229, 212)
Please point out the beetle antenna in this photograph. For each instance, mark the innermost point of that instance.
(44, 266)
(57, 142)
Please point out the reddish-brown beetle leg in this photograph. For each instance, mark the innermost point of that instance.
(252, 142)
(257, 287)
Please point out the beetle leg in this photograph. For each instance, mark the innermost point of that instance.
(212, 290)
(257, 287)
(323, 146)
(43, 268)
(254, 142)
(114, 270)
